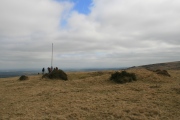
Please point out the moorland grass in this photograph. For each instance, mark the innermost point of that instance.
(91, 95)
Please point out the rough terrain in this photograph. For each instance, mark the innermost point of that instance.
(90, 95)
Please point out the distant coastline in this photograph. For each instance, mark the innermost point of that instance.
(11, 73)
(16, 73)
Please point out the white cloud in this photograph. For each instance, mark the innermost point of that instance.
(30, 17)
(116, 33)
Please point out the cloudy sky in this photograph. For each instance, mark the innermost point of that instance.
(88, 33)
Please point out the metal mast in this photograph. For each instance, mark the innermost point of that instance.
(52, 57)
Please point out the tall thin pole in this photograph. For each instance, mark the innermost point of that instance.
(52, 57)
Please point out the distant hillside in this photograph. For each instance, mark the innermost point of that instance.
(164, 66)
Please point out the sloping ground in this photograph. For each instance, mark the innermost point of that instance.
(163, 66)
(91, 96)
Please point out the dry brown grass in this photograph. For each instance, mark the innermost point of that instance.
(91, 96)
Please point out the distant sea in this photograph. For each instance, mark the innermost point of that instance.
(15, 73)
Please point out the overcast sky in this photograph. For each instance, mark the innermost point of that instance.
(88, 33)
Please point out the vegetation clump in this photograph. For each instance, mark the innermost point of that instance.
(56, 74)
(23, 77)
(123, 77)
(162, 72)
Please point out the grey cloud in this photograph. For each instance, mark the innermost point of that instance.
(115, 33)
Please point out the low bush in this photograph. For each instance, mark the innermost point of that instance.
(162, 72)
(56, 74)
(123, 77)
(23, 77)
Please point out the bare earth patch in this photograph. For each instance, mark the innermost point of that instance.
(92, 96)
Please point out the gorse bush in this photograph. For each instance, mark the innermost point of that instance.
(123, 77)
(23, 77)
(162, 72)
(56, 74)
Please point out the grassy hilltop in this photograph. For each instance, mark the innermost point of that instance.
(92, 96)
(164, 66)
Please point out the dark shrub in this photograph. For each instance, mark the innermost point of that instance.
(56, 74)
(45, 75)
(23, 77)
(162, 72)
(123, 77)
